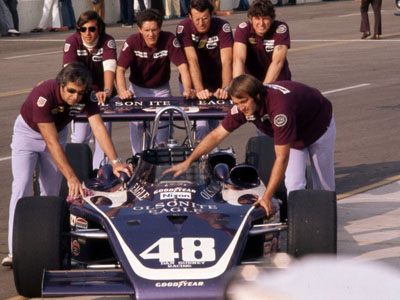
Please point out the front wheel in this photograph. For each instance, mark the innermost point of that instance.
(312, 222)
(39, 241)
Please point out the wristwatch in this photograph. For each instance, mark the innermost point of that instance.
(117, 160)
(107, 91)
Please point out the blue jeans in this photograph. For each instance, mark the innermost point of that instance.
(68, 14)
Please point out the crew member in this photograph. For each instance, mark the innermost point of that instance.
(208, 44)
(148, 54)
(40, 134)
(300, 120)
(93, 47)
(261, 45)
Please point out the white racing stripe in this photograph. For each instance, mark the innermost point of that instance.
(346, 88)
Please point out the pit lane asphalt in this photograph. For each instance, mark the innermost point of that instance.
(359, 77)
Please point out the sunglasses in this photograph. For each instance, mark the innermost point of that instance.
(73, 91)
(91, 29)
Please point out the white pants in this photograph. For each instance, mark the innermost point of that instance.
(50, 5)
(322, 168)
(82, 132)
(29, 149)
(136, 128)
(175, 4)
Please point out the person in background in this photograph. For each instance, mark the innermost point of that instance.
(6, 22)
(364, 28)
(168, 9)
(127, 14)
(93, 47)
(12, 6)
(243, 5)
(40, 134)
(185, 4)
(148, 54)
(49, 6)
(98, 7)
(68, 14)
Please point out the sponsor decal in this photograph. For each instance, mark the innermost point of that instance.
(125, 46)
(178, 284)
(212, 42)
(97, 58)
(252, 41)
(227, 28)
(140, 192)
(72, 220)
(76, 109)
(243, 25)
(173, 195)
(75, 248)
(234, 110)
(281, 29)
(140, 54)
(93, 96)
(41, 101)
(278, 87)
(176, 43)
(195, 38)
(180, 28)
(269, 45)
(175, 206)
(202, 44)
(66, 47)
(280, 120)
(111, 44)
(264, 118)
(160, 54)
(81, 52)
(81, 223)
(176, 189)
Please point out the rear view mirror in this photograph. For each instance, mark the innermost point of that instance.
(221, 172)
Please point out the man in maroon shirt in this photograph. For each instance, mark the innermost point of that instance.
(93, 47)
(148, 54)
(208, 43)
(261, 45)
(40, 134)
(299, 119)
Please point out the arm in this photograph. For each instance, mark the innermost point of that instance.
(239, 58)
(195, 73)
(186, 80)
(278, 59)
(277, 174)
(50, 136)
(108, 85)
(104, 140)
(206, 145)
(226, 60)
(121, 84)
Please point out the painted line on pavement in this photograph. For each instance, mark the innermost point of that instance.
(32, 55)
(346, 88)
(5, 158)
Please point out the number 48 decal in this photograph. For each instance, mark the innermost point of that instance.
(193, 249)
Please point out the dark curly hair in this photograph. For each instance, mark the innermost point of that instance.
(149, 14)
(201, 6)
(261, 8)
(74, 72)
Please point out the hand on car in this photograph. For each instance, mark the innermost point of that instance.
(189, 94)
(204, 94)
(266, 203)
(121, 167)
(74, 187)
(221, 94)
(178, 169)
(101, 97)
(127, 94)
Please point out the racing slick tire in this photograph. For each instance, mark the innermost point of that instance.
(80, 158)
(260, 153)
(397, 3)
(312, 222)
(40, 241)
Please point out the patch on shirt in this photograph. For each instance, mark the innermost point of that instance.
(264, 118)
(234, 110)
(41, 101)
(66, 47)
(125, 46)
(195, 38)
(93, 97)
(180, 28)
(111, 44)
(252, 41)
(202, 44)
(160, 54)
(140, 54)
(280, 120)
(281, 29)
(243, 25)
(251, 118)
(269, 45)
(176, 43)
(81, 52)
(227, 28)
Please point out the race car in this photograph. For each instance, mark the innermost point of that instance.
(154, 236)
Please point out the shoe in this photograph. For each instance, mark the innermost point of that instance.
(375, 37)
(365, 35)
(7, 261)
(37, 29)
(168, 17)
(14, 32)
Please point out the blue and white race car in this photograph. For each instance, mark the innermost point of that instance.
(157, 237)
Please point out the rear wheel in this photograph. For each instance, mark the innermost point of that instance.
(39, 241)
(312, 222)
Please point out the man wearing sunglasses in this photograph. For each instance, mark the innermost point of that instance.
(149, 54)
(40, 134)
(97, 50)
(207, 43)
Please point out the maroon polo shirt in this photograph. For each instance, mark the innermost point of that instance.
(150, 68)
(75, 51)
(260, 49)
(291, 112)
(45, 105)
(208, 48)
